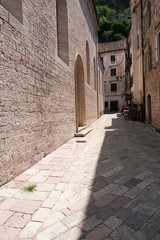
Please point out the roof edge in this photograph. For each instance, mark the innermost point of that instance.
(95, 11)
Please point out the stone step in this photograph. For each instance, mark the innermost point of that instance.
(81, 128)
(84, 132)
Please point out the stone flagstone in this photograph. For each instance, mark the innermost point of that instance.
(51, 232)
(104, 188)
(26, 206)
(30, 230)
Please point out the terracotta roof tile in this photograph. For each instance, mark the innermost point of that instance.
(112, 46)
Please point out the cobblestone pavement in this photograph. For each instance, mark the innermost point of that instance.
(105, 186)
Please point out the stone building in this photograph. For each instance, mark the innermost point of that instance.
(50, 77)
(114, 61)
(129, 70)
(136, 50)
(134, 66)
(151, 43)
(144, 70)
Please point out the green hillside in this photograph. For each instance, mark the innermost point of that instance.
(113, 19)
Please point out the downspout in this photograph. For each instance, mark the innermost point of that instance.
(144, 102)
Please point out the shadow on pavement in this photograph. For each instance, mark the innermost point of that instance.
(125, 201)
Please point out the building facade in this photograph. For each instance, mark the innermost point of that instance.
(49, 78)
(144, 70)
(114, 61)
(134, 64)
(136, 49)
(151, 43)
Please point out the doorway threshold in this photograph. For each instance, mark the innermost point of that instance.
(83, 131)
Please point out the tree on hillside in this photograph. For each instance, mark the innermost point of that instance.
(114, 4)
(113, 21)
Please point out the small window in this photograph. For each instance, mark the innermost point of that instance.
(149, 14)
(158, 47)
(95, 76)
(106, 104)
(137, 41)
(113, 72)
(131, 81)
(149, 59)
(13, 7)
(113, 87)
(62, 30)
(88, 62)
(113, 58)
(146, 62)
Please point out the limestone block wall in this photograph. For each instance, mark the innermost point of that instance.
(37, 96)
(152, 77)
(137, 65)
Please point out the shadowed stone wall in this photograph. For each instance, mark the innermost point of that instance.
(152, 75)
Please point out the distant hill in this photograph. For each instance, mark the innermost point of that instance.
(114, 4)
(114, 19)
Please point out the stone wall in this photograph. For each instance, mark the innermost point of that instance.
(37, 98)
(152, 76)
(136, 50)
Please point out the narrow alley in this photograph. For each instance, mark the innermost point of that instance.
(105, 186)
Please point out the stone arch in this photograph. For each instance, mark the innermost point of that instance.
(62, 30)
(88, 62)
(149, 109)
(80, 93)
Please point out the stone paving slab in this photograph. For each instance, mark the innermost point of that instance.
(104, 186)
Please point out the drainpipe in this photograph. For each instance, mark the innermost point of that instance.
(144, 102)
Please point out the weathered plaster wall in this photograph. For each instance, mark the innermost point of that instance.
(119, 64)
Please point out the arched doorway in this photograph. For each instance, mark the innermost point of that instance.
(80, 94)
(149, 109)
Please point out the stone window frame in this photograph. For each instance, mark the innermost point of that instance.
(138, 45)
(88, 63)
(158, 3)
(157, 42)
(106, 104)
(131, 81)
(17, 12)
(113, 58)
(147, 17)
(113, 87)
(148, 59)
(10, 19)
(99, 84)
(111, 72)
(95, 75)
(149, 10)
(62, 26)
